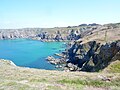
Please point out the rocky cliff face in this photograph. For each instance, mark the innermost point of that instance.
(49, 34)
(18, 33)
(92, 56)
(39, 34)
(96, 50)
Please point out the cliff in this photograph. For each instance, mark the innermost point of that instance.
(48, 34)
(96, 50)
(93, 56)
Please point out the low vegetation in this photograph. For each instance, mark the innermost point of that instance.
(114, 67)
(90, 82)
(19, 78)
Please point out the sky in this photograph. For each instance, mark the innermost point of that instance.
(57, 13)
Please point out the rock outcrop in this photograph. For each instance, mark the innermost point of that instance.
(18, 33)
(95, 50)
(55, 61)
(93, 56)
(40, 34)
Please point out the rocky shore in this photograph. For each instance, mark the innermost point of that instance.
(91, 56)
(91, 53)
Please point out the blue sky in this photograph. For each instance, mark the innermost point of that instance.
(53, 13)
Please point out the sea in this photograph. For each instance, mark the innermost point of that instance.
(30, 53)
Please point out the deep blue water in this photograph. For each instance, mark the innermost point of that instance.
(29, 53)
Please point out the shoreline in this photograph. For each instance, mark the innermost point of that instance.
(40, 56)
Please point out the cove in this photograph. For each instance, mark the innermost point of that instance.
(30, 53)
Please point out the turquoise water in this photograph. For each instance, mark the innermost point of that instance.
(30, 53)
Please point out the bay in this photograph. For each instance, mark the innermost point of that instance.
(30, 53)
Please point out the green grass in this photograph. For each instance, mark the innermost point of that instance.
(37, 80)
(53, 88)
(115, 68)
(24, 87)
(10, 83)
(55, 80)
(89, 82)
(15, 86)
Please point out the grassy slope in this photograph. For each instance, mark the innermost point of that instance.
(114, 67)
(102, 36)
(18, 78)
